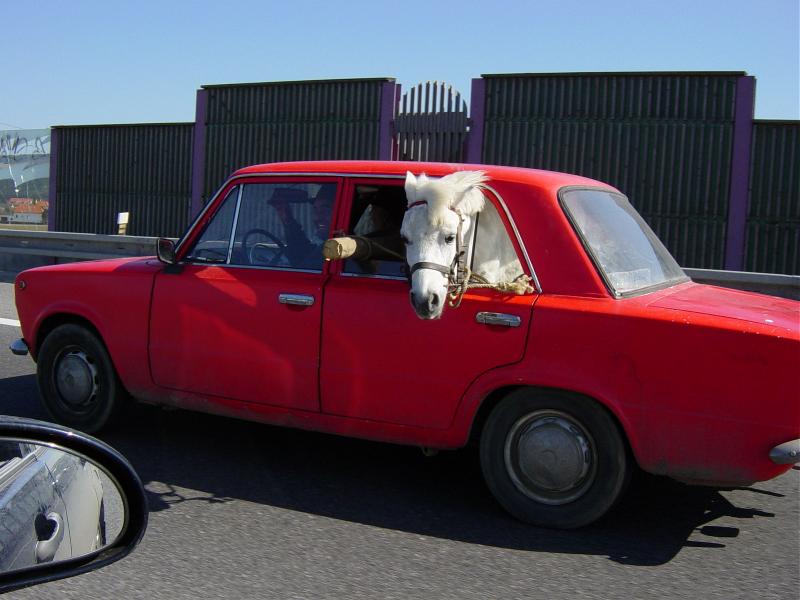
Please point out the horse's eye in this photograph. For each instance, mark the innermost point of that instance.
(405, 240)
(450, 239)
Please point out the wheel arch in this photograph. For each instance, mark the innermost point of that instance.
(57, 319)
(496, 396)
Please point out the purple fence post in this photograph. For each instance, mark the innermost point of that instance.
(740, 173)
(199, 153)
(52, 181)
(390, 92)
(477, 119)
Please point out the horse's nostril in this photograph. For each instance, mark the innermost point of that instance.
(434, 300)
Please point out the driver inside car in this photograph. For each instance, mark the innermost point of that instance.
(304, 247)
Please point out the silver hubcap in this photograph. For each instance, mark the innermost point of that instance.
(550, 457)
(76, 379)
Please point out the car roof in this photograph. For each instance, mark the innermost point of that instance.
(540, 178)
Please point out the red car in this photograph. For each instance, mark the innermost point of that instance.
(540, 317)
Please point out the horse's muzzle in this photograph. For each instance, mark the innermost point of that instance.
(429, 306)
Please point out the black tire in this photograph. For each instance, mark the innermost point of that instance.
(553, 459)
(77, 381)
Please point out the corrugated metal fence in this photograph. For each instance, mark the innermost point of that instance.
(270, 122)
(103, 170)
(772, 243)
(663, 139)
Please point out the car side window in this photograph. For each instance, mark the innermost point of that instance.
(377, 214)
(493, 252)
(11, 453)
(212, 245)
(283, 225)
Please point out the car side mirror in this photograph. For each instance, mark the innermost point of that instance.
(165, 250)
(69, 503)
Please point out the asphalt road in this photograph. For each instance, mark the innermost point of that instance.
(240, 510)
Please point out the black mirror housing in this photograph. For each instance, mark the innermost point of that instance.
(165, 250)
(116, 467)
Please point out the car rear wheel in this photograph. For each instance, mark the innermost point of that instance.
(552, 459)
(77, 382)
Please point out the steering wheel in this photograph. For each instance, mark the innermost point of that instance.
(278, 248)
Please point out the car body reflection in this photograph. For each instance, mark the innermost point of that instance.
(54, 506)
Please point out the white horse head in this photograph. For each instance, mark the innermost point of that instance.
(439, 210)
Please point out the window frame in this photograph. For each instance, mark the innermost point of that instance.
(207, 223)
(11, 469)
(346, 213)
(206, 217)
(491, 195)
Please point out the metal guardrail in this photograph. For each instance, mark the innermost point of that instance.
(786, 286)
(75, 246)
(21, 250)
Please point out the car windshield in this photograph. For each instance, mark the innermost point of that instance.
(627, 253)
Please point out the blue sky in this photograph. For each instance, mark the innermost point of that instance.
(91, 61)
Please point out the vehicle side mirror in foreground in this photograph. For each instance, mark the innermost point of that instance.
(165, 250)
(69, 503)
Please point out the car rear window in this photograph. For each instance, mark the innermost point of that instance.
(629, 256)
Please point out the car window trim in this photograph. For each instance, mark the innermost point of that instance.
(14, 467)
(521, 246)
(373, 276)
(232, 235)
(268, 268)
(199, 218)
(186, 261)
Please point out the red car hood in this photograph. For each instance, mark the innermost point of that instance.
(734, 304)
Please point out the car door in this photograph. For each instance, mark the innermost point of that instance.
(381, 362)
(34, 527)
(239, 316)
(77, 481)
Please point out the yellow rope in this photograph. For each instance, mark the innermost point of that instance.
(520, 286)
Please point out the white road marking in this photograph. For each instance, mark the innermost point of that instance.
(11, 322)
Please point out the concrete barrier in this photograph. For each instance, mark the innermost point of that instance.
(20, 250)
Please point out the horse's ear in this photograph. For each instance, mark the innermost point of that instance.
(469, 197)
(411, 187)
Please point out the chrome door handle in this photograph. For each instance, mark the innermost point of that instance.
(491, 318)
(49, 536)
(296, 299)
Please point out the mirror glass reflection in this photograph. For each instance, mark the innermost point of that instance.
(54, 505)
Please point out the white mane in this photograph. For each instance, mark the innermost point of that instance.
(461, 191)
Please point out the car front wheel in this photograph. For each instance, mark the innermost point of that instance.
(77, 381)
(552, 459)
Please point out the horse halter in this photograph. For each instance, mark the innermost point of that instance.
(457, 266)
